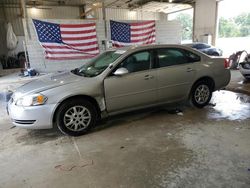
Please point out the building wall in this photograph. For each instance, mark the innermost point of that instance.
(166, 32)
(205, 19)
(126, 14)
(36, 53)
(3, 48)
(13, 15)
(62, 12)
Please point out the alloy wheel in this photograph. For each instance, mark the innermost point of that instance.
(77, 118)
(202, 94)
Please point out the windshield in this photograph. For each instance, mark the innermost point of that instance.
(98, 64)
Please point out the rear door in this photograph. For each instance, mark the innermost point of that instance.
(176, 71)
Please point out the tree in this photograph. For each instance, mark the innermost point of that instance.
(228, 28)
(238, 26)
(187, 25)
(243, 21)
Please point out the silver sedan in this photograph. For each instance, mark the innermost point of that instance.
(117, 81)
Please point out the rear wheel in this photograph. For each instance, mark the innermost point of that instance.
(76, 117)
(201, 94)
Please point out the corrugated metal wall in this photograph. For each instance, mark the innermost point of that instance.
(36, 53)
(166, 32)
(54, 13)
(3, 48)
(126, 14)
(13, 15)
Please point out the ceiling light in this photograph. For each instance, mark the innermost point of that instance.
(34, 10)
(170, 1)
(97, 4)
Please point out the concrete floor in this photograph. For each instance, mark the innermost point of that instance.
(151, 148)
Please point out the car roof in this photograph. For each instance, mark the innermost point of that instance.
(151, 46)
(195, 43)
(131, 49)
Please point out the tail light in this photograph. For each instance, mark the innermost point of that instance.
(226, 63)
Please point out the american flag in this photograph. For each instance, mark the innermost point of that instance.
(126, 34)
(67, 41)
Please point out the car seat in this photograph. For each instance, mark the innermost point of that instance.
(130, 64)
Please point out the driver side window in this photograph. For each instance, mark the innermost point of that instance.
(137, 62)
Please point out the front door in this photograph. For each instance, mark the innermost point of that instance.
(135, 89)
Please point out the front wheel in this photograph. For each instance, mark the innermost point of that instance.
(201, 94)
(76, 117)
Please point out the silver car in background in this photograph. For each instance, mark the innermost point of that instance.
(117, 81)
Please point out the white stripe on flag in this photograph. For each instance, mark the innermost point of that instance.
(151, 40)
(79, 35)
(142, 37)
(142, 26)
(57, 48)
(80, 41)
(142, 31)
(77, 28)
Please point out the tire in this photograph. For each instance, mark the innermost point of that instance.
(201, 93)
(247, 78)
(76, 117)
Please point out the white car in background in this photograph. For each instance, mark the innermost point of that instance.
(244, 67)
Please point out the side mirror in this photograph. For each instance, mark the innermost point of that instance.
(121, 71)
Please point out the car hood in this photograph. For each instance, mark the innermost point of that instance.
(48, 82)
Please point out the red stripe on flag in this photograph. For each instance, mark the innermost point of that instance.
(68, 48)
(84, 44)
(142, 29)
(78, 32)
(73, 45)
(77, 25)
(143, 40)
(150, 42)
(143, 34)
(69, 52)
(78, 38)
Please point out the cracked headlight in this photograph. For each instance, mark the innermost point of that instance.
(31, 100)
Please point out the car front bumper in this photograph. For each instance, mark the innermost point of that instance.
(33, 117)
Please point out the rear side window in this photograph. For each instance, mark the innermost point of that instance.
(168, 57)
(192, 57)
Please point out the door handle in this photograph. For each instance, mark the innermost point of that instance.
(147, 77)
(190, 69)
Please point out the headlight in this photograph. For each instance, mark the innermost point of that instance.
(31, 100)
